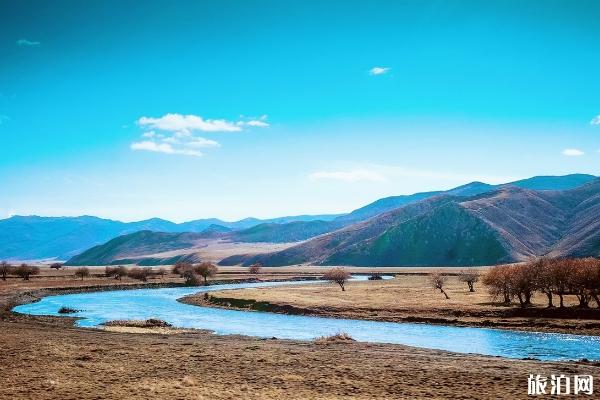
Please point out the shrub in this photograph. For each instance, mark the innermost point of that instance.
(56, 266)
(337, 275)
(135, 323)
(25, 271)
(67, 310)
(82, 272)
(340, 337)
(375, 276)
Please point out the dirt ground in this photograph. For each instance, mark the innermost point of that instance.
(409, 297)
(47, 358)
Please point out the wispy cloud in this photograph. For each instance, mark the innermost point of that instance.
(394, 174)
(379, 70)
(595, 120)
(28, 43)
(572, 152)
(176, 133)
(349, 176)
(149, 145)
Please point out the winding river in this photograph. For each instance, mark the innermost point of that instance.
(99, 307)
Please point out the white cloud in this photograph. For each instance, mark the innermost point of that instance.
(27, 43)
(394, 175)
(572, 152)
(595, 120)
(201, 142)
(349, 176)
(174, 133)
(258, 123)
(165, 148)
(378, 70)
(188, 123)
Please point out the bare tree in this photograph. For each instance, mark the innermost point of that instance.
(437, 281)
(181, 267)
(118, 272)
(162, 272)
(26, 270)
(206, 270)
(337, 275)
(498, 282)
(255, 269)
(82, 272)
(470, 276)
(541, 268)
(6, 269)
(141, 274)
(523, 282)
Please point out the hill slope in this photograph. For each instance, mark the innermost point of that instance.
(135, 244)
(509, 224)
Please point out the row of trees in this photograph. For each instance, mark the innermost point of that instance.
(23, 271)
(192, 273)
(552, 277)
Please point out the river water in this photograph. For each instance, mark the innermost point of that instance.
(99, 307)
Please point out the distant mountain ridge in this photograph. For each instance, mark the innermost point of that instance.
(34, 237)
(434, 219)
(506, 225)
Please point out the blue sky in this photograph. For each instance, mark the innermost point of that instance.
(229, 109)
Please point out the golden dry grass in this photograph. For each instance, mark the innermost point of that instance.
(408, 298)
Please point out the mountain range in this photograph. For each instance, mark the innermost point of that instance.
(508, 224)
(38, 238)
(431, 228)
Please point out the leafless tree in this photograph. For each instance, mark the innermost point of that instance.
(181, 267)
(26, 270)
(337, 275)
(82, 272)
(524, 283)
(6, 269)
(255, 269)
(162, 272)
(470, 277)
(118, 272)
(141, 274)
(498, 282)
(206, 270)
(437, 280)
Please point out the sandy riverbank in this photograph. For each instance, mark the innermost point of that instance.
(47, 358)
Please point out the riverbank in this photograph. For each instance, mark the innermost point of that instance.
(48, 358)
(46, 361)
(407, 298)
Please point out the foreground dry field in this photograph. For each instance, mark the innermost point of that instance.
(409, 297)
(47, 358)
